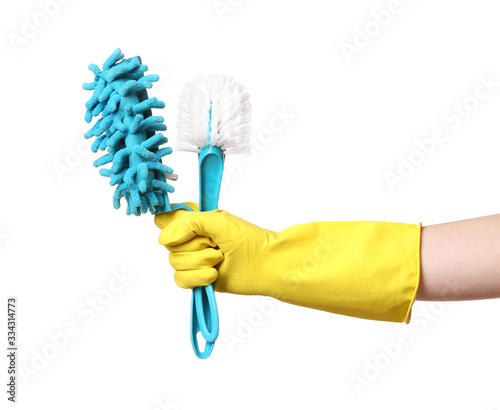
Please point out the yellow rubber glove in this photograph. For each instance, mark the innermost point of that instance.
(364, 269)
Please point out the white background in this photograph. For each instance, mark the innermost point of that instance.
(353, 120)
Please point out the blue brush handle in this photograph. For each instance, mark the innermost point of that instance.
(204, 315)
(204, 319)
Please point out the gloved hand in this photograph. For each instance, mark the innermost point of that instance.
(363, 269)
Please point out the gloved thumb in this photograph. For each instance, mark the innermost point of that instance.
(162, 219)
(181, 226)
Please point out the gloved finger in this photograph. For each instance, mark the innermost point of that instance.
(192, 278)
(181, 226)
(194, 244)
(206, 258)
(161, 220)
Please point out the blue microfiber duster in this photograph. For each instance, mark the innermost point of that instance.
(127, 131)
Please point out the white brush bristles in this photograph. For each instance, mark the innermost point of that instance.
(214, 110)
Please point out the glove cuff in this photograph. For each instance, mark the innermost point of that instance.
(369, 270)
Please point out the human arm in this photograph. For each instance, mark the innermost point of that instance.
(363, 269)
(461, 260)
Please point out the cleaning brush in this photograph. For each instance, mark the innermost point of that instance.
(127, 132)
(213, 119)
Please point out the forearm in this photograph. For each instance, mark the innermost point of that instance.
(461, 260)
